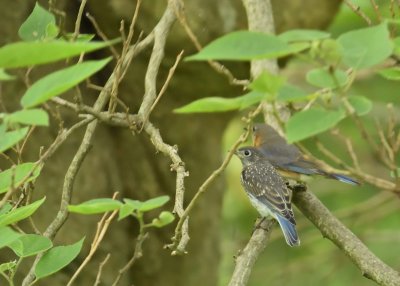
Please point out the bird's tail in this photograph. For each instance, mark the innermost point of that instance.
(344, 179)
(289, 231)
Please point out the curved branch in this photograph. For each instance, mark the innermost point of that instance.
(260, 18)
(248, 256)
(370, 265)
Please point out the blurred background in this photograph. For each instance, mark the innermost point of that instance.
(372, 214)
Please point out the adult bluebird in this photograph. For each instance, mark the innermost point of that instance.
(267, 191)
(287, 158)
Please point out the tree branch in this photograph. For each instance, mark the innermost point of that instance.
(260, 18)
(371, 266)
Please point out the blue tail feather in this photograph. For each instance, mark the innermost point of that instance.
(289, 231)
(344, 179)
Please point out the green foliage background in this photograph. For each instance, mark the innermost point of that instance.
(372, 214)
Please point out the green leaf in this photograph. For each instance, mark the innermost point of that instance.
(390, 73)
(7, 266)
(30, 244)
(134, 204)
(243, 45)
(268, 83)
(153, 203)
(310, 122)
(221, 104)
(291, 93)
(303, 35)
(396, 42)
(5, 208)
(20, 213)
(366, 47)
(35, 26)
(5, 76)
(324, 78)
(10, 138)
(163, 219)
(17, 175)
(29, 117)
(361, 104)
(59, 82)
(52, 31)
(7, 236)
(57, 258)
(125, 210)
(23, 54)
(95, 206)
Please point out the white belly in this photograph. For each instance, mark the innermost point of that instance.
(263, 210)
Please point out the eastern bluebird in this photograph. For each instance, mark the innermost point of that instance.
(267, 191)
(287, 158)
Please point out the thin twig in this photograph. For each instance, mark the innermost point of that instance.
(349, 147)
(102, 35)
(219, 68)
(166, 83)
(99, 272)
(102, 227)
(357, 10)
(375, 181)
(119, 74)
(376, 9)
(176, 240)
(79, 20)
(50, 151)
(136, 255)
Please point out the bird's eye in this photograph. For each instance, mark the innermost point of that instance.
(247, 153)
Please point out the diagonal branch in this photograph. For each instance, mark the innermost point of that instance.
(371, 266)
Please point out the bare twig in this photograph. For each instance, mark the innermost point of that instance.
(179, 167)
(177, 246)
(376, 9)
(161, 32)
(349, 147)
(136, 255)
(101, 34)
(166, 83)
(375, 181)
(79, 20)
(358, 11)
(119, 73)
(83, 149)
(50, 151)
(98, 276)
(219, 68)
(102, 227)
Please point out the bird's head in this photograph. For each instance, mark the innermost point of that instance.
(266, 134)
(249, 155)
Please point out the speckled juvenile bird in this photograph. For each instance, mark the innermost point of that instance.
(287, 158)
(267, 191)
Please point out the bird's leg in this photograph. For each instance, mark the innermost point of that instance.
(299, 187)
(258, 224)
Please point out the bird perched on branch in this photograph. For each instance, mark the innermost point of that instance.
(267, 191)
(287, 158)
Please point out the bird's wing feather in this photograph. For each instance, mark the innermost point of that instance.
(262, 182)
